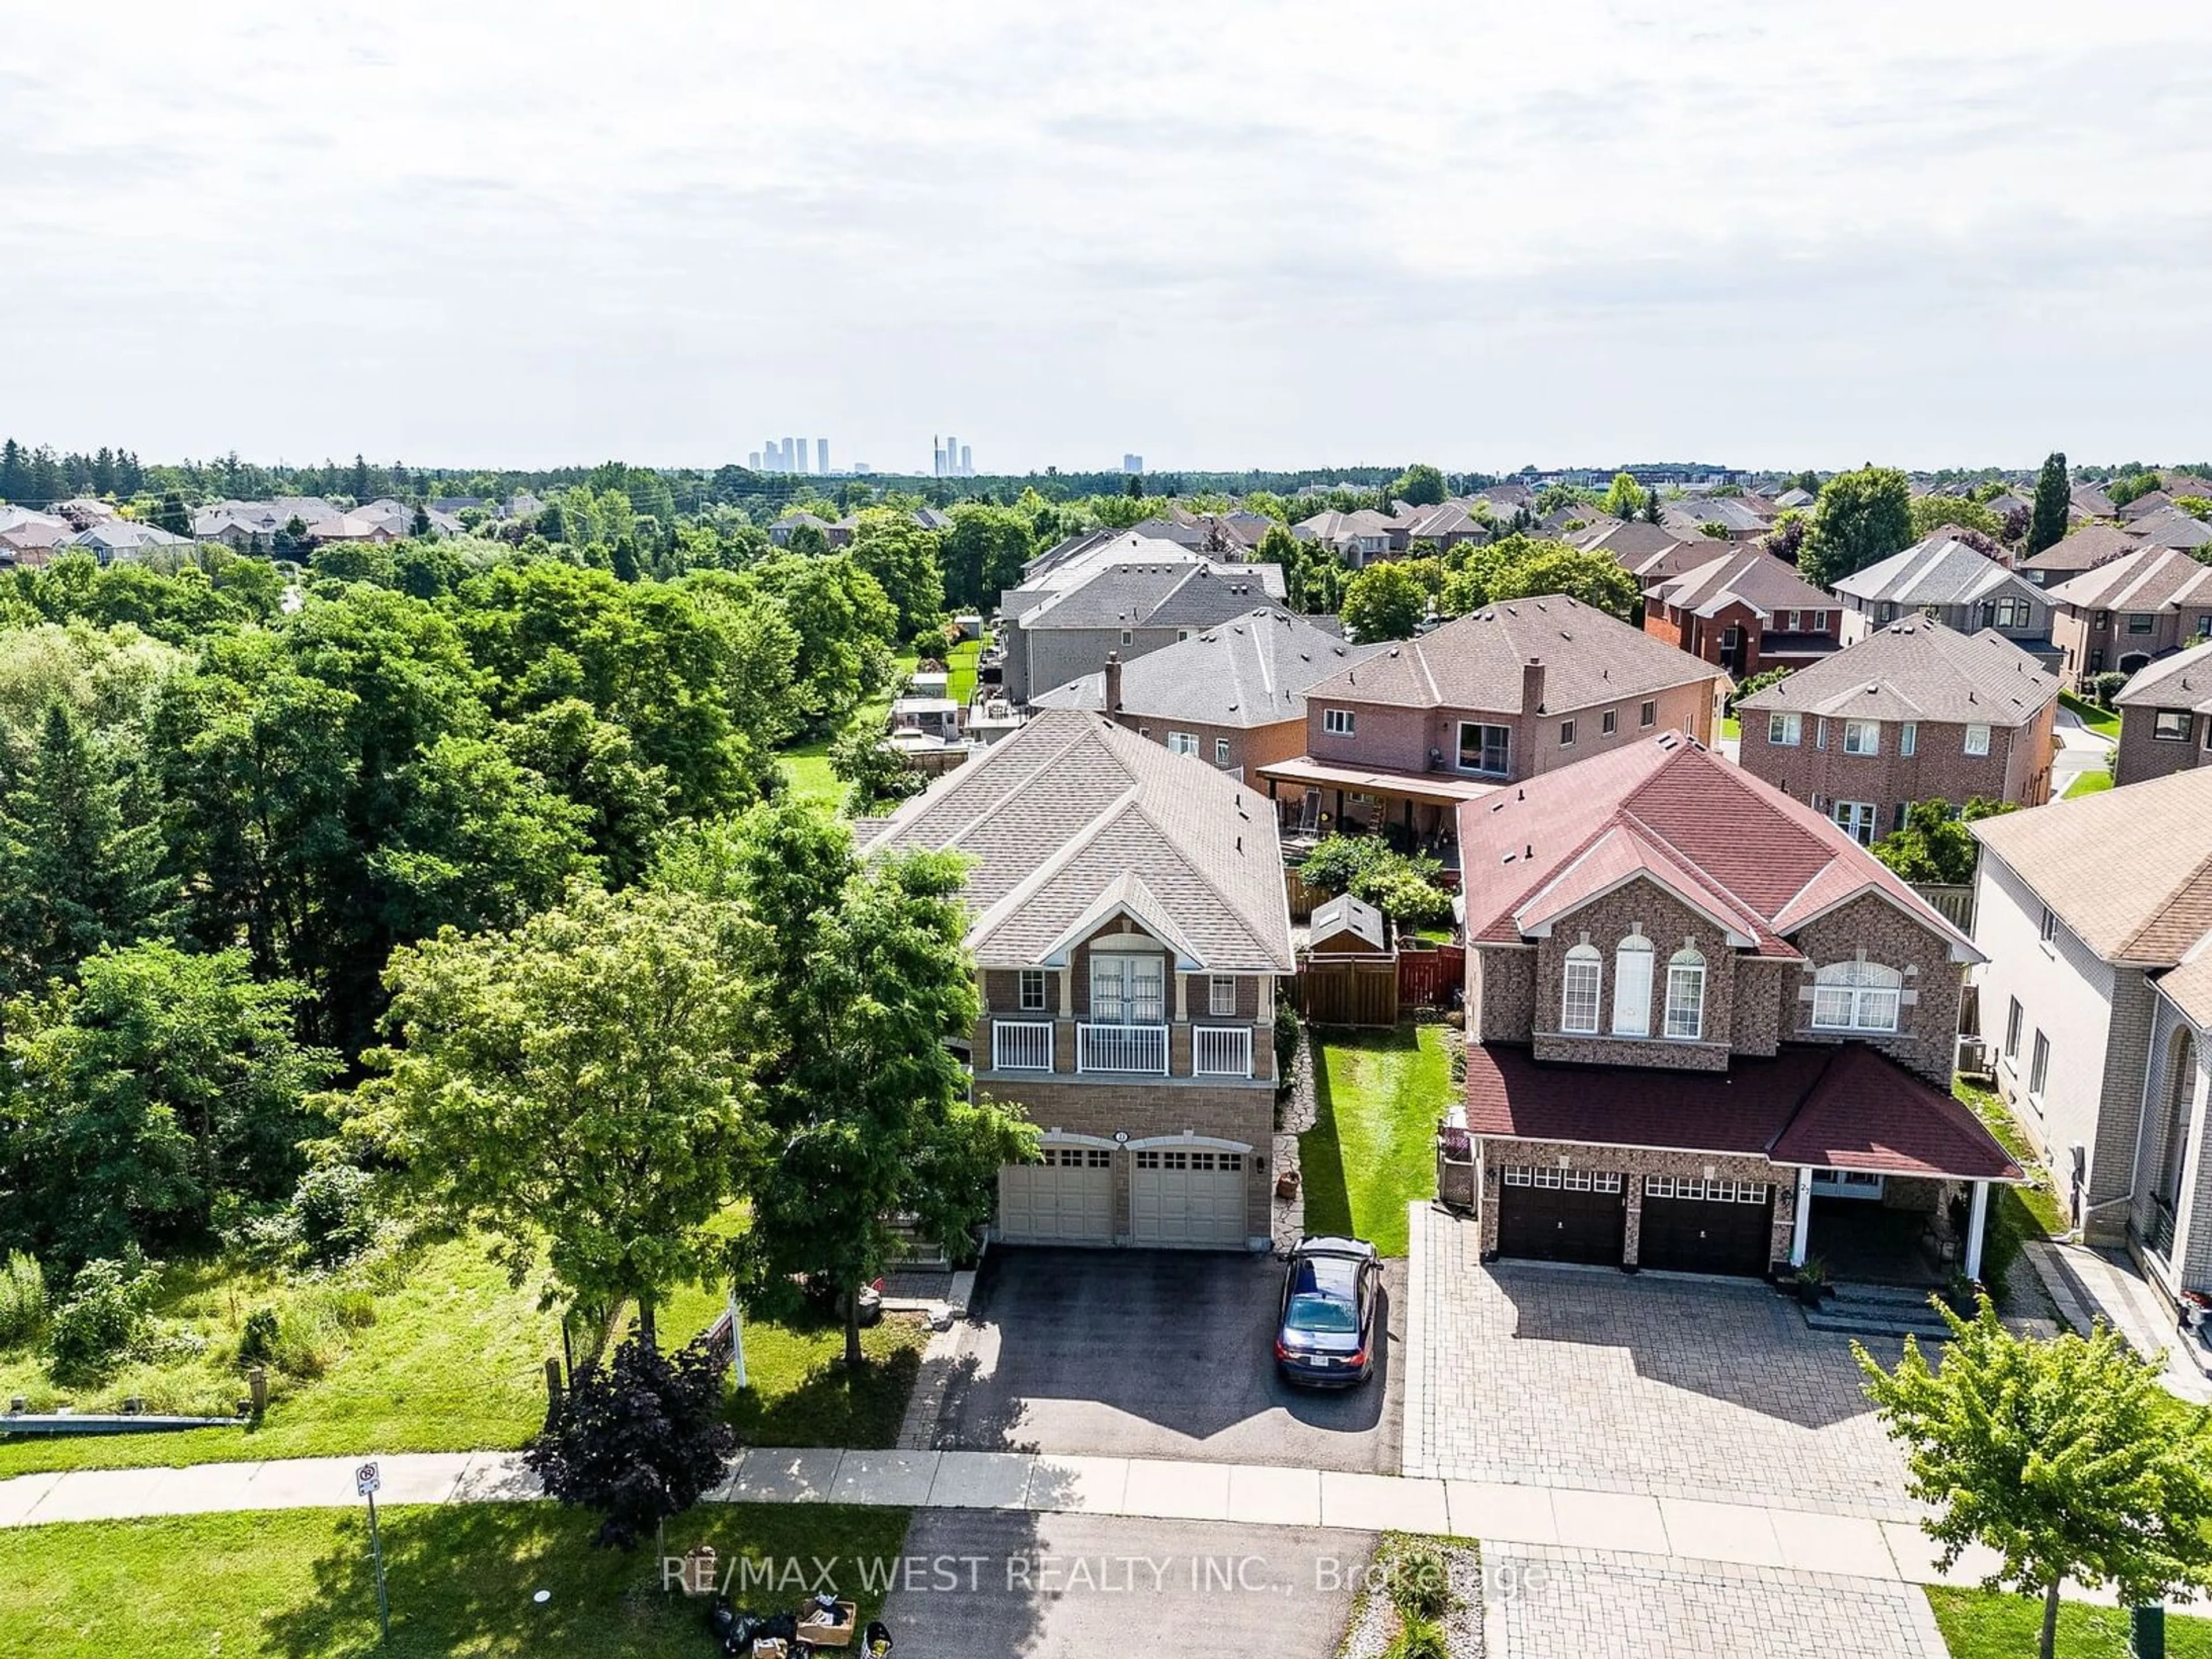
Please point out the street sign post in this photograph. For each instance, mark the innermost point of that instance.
(367, 1480)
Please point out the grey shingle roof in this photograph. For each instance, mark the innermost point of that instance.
(2172, 527)
(1069, 809)
(2183, 680)
(1917, 670)
(1475, 661)
(1753, 576)
(1940, 569)
(1194, 593)
(1252, 670)
(2149, 578)
(2091, 545)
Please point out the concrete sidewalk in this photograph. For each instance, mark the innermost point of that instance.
(1662, 1529)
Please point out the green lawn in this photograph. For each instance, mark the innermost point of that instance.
(297, 1583)
(1977, 1624)
(453, 1361)
(2103, 721)
(798, 1391)
(1731, 726)
(1372, 1149)
(2039, 1205)
(2094, 782)
(960, 667)
(808, 764)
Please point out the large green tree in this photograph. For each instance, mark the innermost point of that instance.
(984, 552)
(2046, 520)
(158, 1081)
(1385, 601)
(1932, 512)
(907, 563)
(576, 1086)
(1519, 567)
(1625, 498)
(2062, 1455)
(1419, 485)
(844, 627)
(1862, 517)
(866, 1115)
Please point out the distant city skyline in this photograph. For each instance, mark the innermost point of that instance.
(1917, 235)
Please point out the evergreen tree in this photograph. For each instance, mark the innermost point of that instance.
(85, 874)
(2047, 525)
(358, 483)
(172, 515)
(15, 473)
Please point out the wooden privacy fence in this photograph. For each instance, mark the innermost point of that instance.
(1955, 904)
(1343, 990)
(1427, 979)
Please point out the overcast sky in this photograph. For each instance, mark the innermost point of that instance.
(478, 232)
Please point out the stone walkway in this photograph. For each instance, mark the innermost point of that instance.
(2091, 1284)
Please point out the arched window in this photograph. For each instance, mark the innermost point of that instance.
(1579, 998)
(2180, 1097)
(1631, 986)
(1856, 996)
(1685, 995)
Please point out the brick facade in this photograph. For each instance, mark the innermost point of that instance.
(1247, 746)
(1633, 1163)
(2093, 641)
(1926, 1040)
(1708, 637)
(1816, 770)
(1388, 738)
(2144, 755)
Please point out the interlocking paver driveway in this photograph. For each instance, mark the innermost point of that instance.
(1677, 1387)
(1584, 1604)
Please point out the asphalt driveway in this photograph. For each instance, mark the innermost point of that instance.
(1098, 1587)
(1156, 1353)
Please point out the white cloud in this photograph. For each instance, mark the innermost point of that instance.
(1223, 235)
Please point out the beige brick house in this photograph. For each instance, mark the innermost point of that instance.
(2095, 917)
(1514, 690)
(1708, 1032)
(1129, 927)
(1912, 712)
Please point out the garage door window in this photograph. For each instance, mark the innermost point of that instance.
(1721, 1191)
(1572, 1181)
(1077, 1157)
(1204, 1163)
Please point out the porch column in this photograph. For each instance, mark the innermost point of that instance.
(1976, 1221)
(1803, 1223)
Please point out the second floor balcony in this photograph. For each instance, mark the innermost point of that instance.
(1103, 1049)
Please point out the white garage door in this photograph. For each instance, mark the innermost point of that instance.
(1066, 1199)
(1187, 1197)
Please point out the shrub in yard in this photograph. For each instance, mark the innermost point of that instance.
(106, 1317)
(2107, 685)
(335, 1217)
(1419, 1638)
(1332, 865)
(22, 1298)
(1287, 1038)
(256, 1340)
(1420, 1584)
(1402, 890)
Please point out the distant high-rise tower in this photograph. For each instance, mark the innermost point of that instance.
(1132, 464)
(752, 461)
(821, 456)
(951, 456)
(797, 451)
(768, 456)
(937, 457)
(966, 462)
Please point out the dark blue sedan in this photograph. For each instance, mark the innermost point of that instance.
(1325, 1336)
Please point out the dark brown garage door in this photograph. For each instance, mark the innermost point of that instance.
(1706, 1226)
(1561, 1215)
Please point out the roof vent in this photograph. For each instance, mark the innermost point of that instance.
(1529, 851)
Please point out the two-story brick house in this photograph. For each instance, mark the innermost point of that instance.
(1129, 927)
(1912, 712)
(1746, 611)
(1706, 1031)
(2131, 610)
(1516, 689)
(2166, 717)
(1234, 696)
(1947, 579)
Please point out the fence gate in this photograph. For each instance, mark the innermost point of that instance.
(1356, 991)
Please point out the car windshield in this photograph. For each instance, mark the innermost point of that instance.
(1319, 1311)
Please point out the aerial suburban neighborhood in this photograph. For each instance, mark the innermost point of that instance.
(1205, 966)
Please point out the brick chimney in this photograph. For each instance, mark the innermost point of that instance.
(1532, 686)
(1114, 682)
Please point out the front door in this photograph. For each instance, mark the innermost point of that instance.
(1561, 1215)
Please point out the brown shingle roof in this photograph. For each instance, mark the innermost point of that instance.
(2129, 871)
(1753, 577)
(1917, 670)
(1476, 661)
(2091, 545)
(2183, 680)
(2149, 578)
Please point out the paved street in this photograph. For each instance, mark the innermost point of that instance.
(2080, 750)
(1595, 1604)
(1092, 1587)
(1672, 1387)
(1155, 1353)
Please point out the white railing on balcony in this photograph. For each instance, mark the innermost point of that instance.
(1141, 1048)
(1021, 1045)
(1221, 1051)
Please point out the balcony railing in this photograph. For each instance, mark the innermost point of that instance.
(1221, 1051)
(1138, 1049)
(1021, 1045)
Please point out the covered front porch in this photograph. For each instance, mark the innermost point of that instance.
(1877, 1229)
